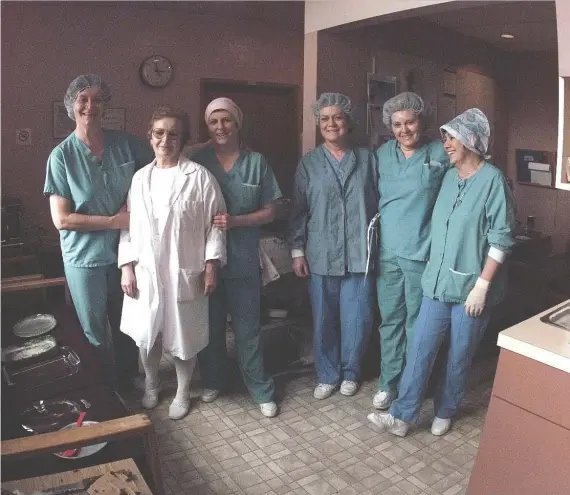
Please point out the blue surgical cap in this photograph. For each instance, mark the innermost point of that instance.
(335, 100)
(472, 129)
(79, 84)
(402, 102)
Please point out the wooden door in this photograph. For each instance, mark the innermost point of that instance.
(270, 123)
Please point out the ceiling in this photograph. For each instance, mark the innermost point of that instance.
(533, 23)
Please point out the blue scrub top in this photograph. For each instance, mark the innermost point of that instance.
(470, 216)
(408, 189)
(94, 187)
(329, 217)
(247, 187)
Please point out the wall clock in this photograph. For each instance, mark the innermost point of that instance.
(156, 71)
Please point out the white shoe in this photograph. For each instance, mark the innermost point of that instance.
(387, 422)
(440, 426)
(150, 397)
(269, 409)
(383, 399)
(210, 395)
(178, 408)
(348, 388)
(323, 391)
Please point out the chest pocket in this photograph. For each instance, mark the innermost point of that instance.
(249, 198)
(432, 174)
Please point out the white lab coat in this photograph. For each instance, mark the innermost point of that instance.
(169, 264)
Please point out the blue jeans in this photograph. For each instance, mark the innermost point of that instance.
(342, 321)
(436, 321)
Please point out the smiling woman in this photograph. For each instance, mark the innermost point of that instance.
(334, 199)
(250, 190)
(87, 179)
(411, 170)
(170, 257)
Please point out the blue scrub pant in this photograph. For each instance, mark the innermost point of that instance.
(98, 301)
(240, 297)
(436, 322)
(399, 291)
(342, 321)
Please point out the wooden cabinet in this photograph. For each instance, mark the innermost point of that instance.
(525, 446)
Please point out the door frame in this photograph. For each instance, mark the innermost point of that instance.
(239, 83)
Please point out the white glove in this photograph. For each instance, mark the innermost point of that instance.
(475, 302)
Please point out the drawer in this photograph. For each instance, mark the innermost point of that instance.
(534, 386)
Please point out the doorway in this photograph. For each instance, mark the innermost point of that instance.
(270, 122)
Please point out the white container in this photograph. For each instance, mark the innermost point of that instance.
(540, 173)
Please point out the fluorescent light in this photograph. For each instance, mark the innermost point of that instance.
(507, 36)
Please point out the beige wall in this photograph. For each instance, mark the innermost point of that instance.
(533, 124)
(44, 46)
(563, 22)
(519, 94)
(326, 14)
(344, 58)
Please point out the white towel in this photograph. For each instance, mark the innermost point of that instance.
(268, 271)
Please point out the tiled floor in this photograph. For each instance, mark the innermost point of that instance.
(314, 447)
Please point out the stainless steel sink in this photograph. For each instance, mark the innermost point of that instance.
(559, 318)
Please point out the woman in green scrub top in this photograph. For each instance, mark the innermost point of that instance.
(411, 169)
(87, 180)
(250, 190)
(472, 233)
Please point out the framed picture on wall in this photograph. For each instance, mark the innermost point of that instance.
(114, 119)
(380, 90)
(63, 126)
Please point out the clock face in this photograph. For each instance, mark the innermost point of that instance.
(156, 71)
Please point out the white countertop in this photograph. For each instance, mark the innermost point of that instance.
(539, 341)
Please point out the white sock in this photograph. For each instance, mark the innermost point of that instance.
(184, 370)
(150, 363)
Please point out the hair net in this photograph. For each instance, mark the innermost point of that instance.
(79, 84)
(335, 100)
(404, 101)
(227, 105)
(472, 129)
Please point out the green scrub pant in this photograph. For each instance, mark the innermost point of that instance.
(399, 291)
(240, 297)
(98, 301)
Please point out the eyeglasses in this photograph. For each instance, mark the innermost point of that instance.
(160, 133)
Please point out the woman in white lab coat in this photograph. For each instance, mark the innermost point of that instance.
(170, 257)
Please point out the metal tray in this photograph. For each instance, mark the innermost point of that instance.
(34, 326)
(559, 318)
(65, 364)
(38, 349)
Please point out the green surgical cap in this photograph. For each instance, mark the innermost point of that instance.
(79, 84)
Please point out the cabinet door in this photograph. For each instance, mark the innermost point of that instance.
(520, 454)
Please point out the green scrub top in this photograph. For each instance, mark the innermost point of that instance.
(408, 189)
(247, 187)
(94, 187)
(469, 217)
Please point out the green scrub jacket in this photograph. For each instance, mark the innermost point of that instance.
(470, 216)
